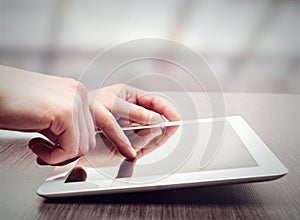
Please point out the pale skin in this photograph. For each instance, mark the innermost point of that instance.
(67, 114)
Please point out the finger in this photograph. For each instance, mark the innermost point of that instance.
(50, 135)
(47, 154)
(135, 113)
(110, 127)
(42, 163)
(42, 148)
(36, 141)
(157, 104)
(90, 125)
(83, 132)
(67, 139)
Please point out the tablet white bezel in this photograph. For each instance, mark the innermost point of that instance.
(269, 167)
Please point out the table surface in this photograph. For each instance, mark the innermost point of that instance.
(275, 118)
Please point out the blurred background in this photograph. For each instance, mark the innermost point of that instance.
(253, 46)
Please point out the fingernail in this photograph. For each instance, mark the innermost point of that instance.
(127, 142)
(125, 139)
(133, 152)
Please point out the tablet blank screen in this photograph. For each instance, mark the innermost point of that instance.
(165, 151)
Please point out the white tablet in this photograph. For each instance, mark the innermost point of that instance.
(173, 155)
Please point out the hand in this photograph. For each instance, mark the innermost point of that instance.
(122, 105)
(106, 155)
(56, 107)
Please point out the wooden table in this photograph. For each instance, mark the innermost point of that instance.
(275, 117)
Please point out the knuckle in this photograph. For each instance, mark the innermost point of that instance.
(72, 83)
(82, 91)
(78, 87)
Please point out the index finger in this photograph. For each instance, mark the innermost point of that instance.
(112, 130)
